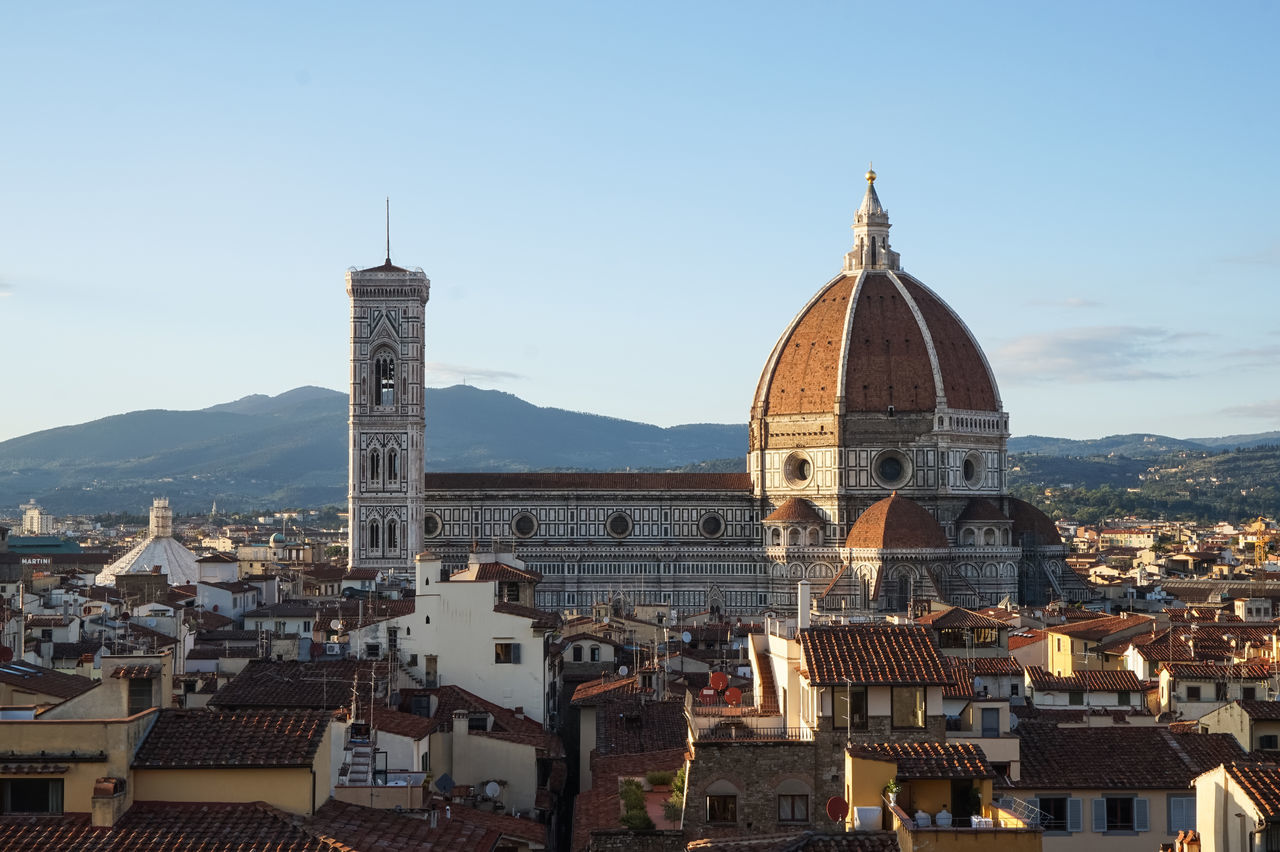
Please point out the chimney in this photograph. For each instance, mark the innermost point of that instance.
(519, 711)
(109, 801)
(802, 605)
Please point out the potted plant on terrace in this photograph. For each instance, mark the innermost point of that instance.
(892, 789)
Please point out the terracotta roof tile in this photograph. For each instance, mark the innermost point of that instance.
(601, 690)
(136, 672)
(190, 739)
(1209, 671)
(630, 727)
(323, 685)
(168, 827)
(872, 654)
(1098, 629)
(933, 760)
(498, 572)
(541, 618)
(993, 666)
(31, 678)
(1268, 710)
(1024, 636)
(1085, 681)
(896, 522)
(958, 617)
(1127, 757)
(1261, 782)
(806, 841)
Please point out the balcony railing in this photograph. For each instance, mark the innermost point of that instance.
(744, 733)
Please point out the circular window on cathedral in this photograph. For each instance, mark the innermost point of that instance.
(711, 525)
(524, 524)
(797, 469)
(619, 525)
(974, 469)
(892, 469)
(431, 525)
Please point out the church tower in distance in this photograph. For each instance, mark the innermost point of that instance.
(387, 422)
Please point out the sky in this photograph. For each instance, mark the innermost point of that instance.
(621, 206)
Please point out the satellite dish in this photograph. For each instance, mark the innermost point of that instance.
(1013, 721)
(837, 808)
(492, 789)
(719, 680)
(336, 624)
(622, 670)
(686, 637)
(445, 783)
(733, 696)
(606, 619)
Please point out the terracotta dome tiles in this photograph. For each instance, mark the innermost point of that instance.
(889, 362)
(981, 509)
(896, 522)
(1027, 518)
(804, 379)
(966, 381)
(795, 510)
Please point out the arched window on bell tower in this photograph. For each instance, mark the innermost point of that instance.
(375, 536)
(375, 466)
(384, 380)
(393, 537)
(393, 466)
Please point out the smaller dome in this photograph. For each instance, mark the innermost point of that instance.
(795, 510)
(1027, 518)
(276, 540)
(896, 522)
(981, 509)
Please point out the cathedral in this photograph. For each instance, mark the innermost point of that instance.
(876, 469)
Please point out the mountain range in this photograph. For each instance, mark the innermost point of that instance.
(290, 450)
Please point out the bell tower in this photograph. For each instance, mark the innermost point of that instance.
(387, 423)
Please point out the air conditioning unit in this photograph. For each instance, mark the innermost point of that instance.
(333, 649)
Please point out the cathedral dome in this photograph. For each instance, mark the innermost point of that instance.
(877, 340)
(896, 522)
(1028, 519)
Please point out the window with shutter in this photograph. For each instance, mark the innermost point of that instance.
(1075, 814)
(1141, 815)
(1182, 813)
(1099, 815)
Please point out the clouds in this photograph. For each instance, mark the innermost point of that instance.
(1074, 303)
(438, 371)
(1267, 409)
(5, 288)
(1117, 353)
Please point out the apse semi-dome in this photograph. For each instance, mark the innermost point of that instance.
(894, 523)
(875, 339)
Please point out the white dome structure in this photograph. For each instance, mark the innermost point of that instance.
(159, 550)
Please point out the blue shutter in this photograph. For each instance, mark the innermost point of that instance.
(1141, 813)
(515, 652)
(1100, 815)
(1075, 814)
